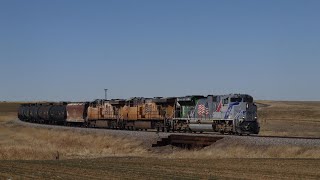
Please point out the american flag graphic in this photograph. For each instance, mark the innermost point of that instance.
(219, 107)
(203, 109)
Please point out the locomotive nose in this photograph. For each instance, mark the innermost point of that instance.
(251, 112)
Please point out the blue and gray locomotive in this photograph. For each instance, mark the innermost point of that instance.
(233, 114)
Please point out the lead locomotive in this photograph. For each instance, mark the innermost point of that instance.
(233, 114)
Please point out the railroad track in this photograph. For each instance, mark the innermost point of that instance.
(285, 137)
(184, 140)
(179, 133)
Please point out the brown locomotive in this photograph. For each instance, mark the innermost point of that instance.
(134, 113)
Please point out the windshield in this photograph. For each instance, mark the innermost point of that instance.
(248, 99)
(236, 99)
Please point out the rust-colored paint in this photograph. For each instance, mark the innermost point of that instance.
(76, 112)
(170, 111)
(93, 112)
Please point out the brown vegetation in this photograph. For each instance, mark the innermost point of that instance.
(22, 143)
(162, 168)
(283, 118)
(224, 149)
(19, 142)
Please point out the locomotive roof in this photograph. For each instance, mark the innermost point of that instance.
(189, 98)
(181, 98)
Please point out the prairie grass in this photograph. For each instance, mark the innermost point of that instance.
(162, 168)
(290, 110)
(26, 143)
(237, 150)
(289, 118)
(39, 144)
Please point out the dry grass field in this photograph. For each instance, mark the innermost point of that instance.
(19, 142)
(30, 152)
(162, 168)
(283, 118)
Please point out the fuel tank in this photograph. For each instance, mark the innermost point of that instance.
(20, 112)
(43, 112)
(34, 112)
(201, 127)
(26, 113)
(58, 113)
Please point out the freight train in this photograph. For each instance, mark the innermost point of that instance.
(232, 114)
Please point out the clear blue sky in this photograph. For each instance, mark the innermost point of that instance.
(73, 49)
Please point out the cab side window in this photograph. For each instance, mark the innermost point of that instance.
(214, 98)
(226, 101)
